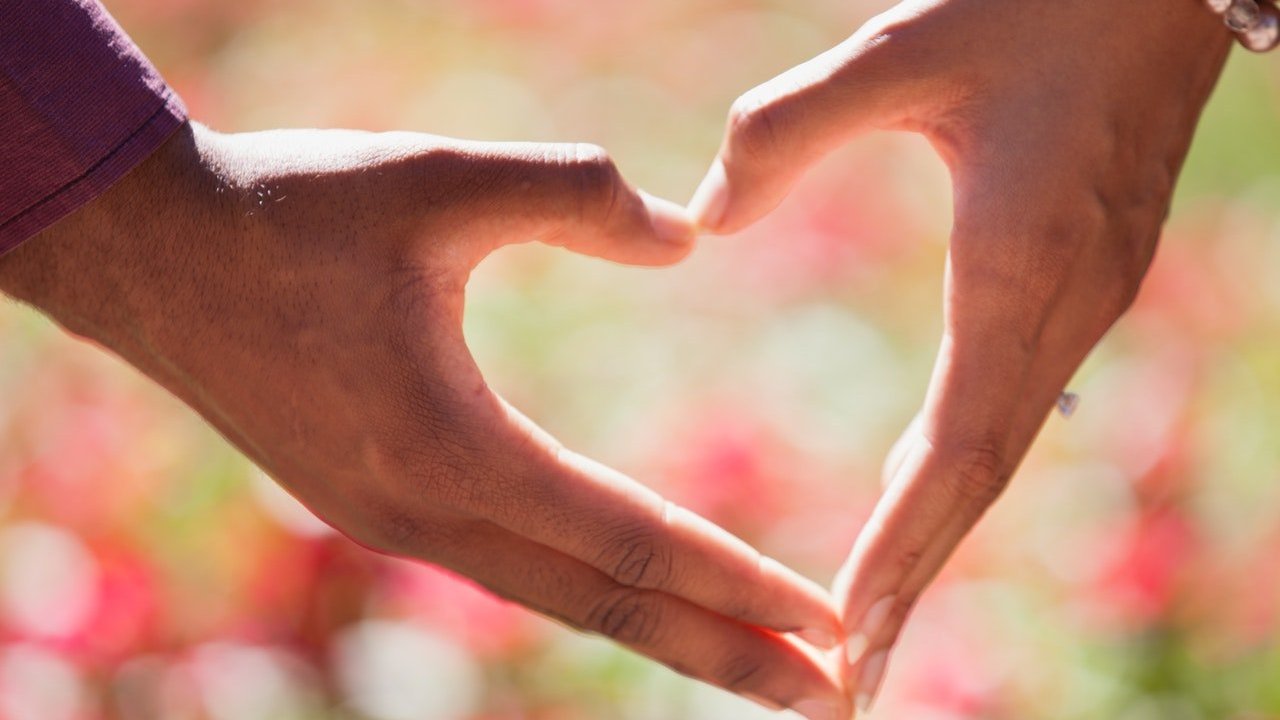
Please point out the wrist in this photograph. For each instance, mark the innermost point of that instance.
(101, 270)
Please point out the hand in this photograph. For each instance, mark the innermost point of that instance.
(303, 290)
(1064, 126)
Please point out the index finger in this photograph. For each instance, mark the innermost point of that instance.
(638, 539)
(779, 129)
(949, 472)
(1000, 369)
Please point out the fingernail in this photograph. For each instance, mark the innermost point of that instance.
(711, 199)
(671, 223)
(817, 710)
(859, 641)
(872, 676)
(818, 638)
(855, 646)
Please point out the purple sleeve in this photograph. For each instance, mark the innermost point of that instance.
(80, 106)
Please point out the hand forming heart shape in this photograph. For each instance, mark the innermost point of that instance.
(304, 291)
(1064, 126)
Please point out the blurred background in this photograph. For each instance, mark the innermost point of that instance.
(147, 571)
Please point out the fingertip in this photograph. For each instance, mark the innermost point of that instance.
(818, 637)
(671, 223)
(819, 694)
(711, 200)
(811, 608)
(868, 629)
(869, 684)
(855, 647)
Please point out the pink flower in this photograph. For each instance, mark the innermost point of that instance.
(488, 626)
(1141, 578)
(126, 620)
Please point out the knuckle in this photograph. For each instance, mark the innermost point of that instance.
(1129, 274)
(740, 672)
(638, 559)
(754, 126)
(908, 563)
(976, 471)
(590, 164)
(1122, 297)
(452, 177)
(595, 179)
(1123, 231)
(590, 155)
(1127, 216)
(626, 615)
(898, 613)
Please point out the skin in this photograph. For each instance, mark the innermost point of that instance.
(303, 291)
(1064, 126)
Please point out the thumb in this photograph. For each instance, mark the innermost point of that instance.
(572, 195)
(778, 129)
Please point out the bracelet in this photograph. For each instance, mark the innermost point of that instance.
(1256, 23)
